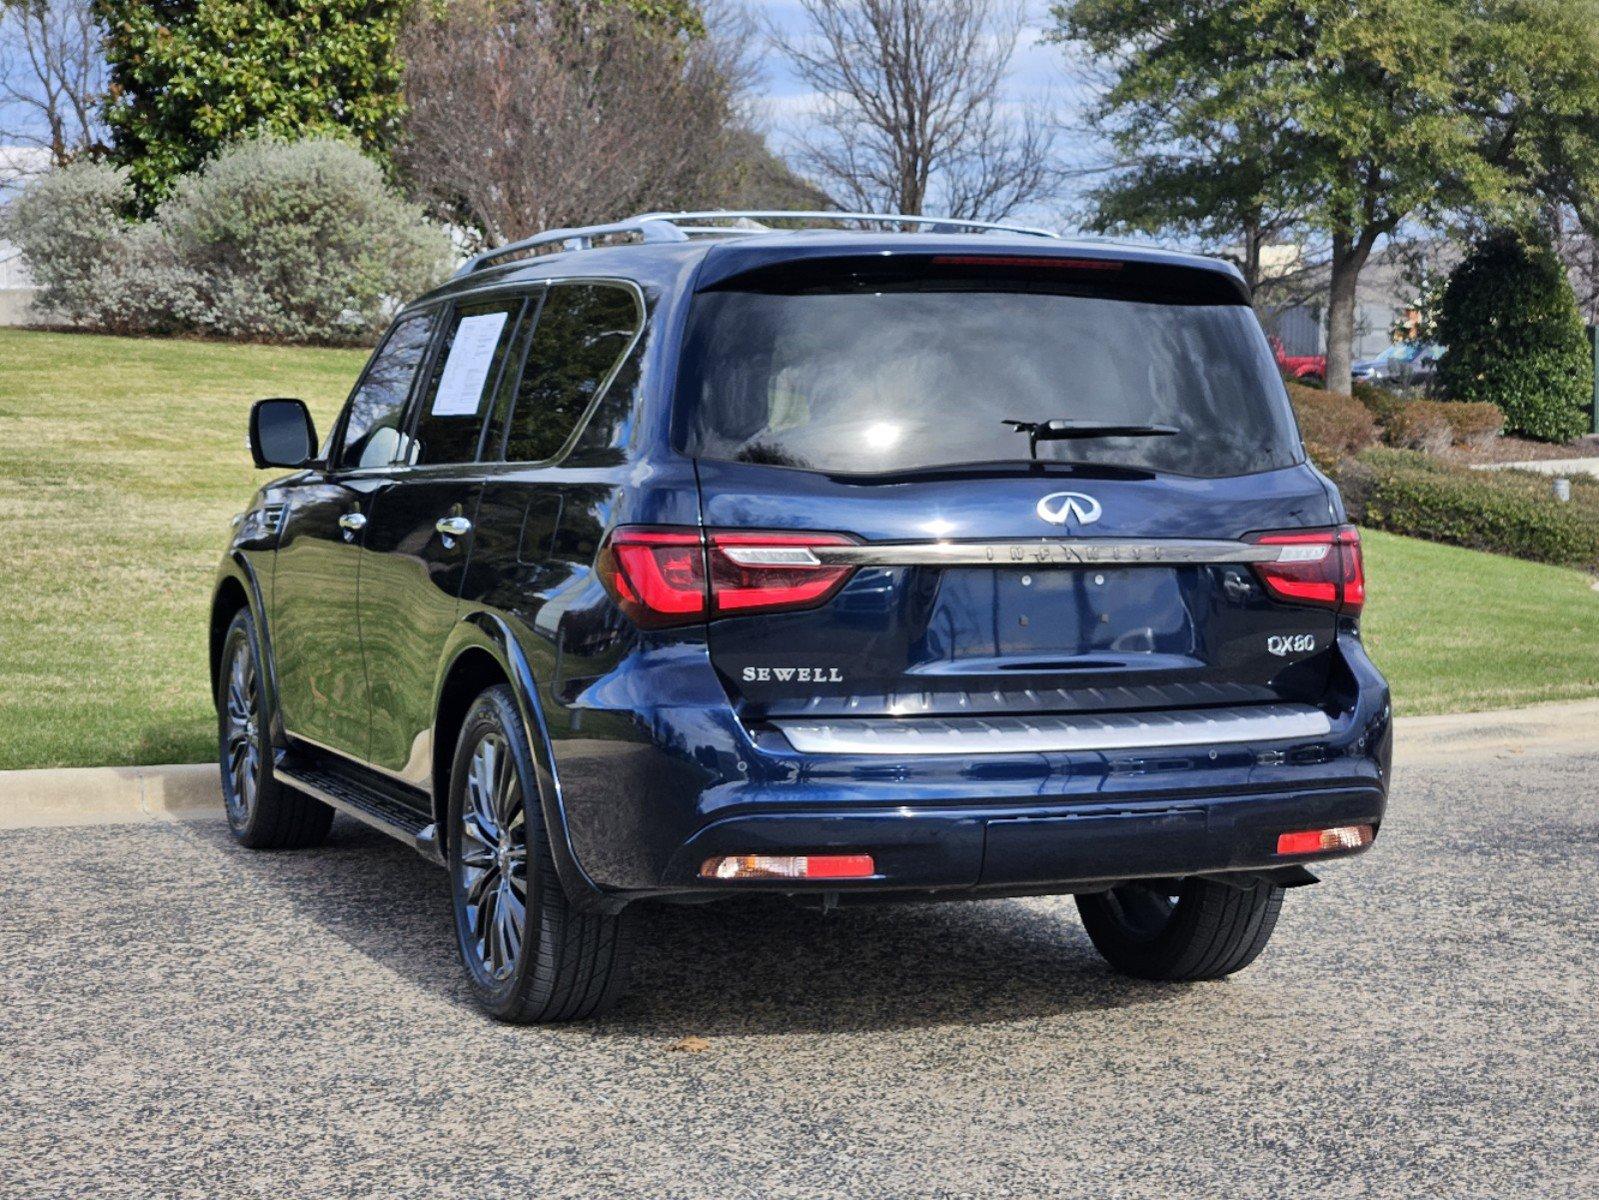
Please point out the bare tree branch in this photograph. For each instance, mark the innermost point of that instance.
(52, 77)
(532, 114)
(911, 112)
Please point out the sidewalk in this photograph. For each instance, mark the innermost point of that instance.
(122, 795)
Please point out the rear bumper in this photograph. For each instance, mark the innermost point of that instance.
(648, 793)
(1004, 849)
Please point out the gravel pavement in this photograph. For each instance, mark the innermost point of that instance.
(182, 1018)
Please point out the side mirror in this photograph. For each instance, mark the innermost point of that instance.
(281, 433)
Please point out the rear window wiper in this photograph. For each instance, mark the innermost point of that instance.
(1061, 430)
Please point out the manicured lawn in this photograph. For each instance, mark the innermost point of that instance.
(1455, 630)
(121, 461)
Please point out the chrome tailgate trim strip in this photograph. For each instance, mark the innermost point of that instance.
(1059, 552)
(913, 736)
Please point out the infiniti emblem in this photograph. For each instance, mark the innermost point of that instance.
(1059, 507)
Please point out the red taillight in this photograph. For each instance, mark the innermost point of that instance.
(656, 575)
(663, 577)
(1320, 567)
(768, 571)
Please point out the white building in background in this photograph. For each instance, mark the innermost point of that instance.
(17, 165)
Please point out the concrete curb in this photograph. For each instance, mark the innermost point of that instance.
(126, 795)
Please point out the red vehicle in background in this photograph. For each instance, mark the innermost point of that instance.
(1309, 367)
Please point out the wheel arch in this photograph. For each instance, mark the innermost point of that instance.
(483, 652)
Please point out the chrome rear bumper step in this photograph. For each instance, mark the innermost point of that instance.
(1084, 732)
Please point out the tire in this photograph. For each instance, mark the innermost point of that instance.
(558, 964)
(262, 813)
(1200, 930)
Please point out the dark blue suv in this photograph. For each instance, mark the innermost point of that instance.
(686, 558)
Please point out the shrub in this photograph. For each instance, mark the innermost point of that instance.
(272, 240)
(1333, 425)
(1506, 512)
(296, 240)
(1379, 400)
(1419, 425)
(1516, 339)
(68, 225)
(1474, 424)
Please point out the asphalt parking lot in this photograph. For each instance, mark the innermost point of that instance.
(182, 1018)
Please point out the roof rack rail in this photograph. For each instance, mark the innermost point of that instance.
(682, 226)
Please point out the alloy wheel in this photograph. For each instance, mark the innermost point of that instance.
(243, 736)
(492, 881)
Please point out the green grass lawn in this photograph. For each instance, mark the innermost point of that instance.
(121, 461)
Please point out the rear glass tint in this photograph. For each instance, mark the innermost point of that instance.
(886, 376)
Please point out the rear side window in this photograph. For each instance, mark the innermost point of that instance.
(372, 426)
(453, 404)
(583, 330)
(892, 377)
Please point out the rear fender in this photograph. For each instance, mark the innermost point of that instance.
(488, 633)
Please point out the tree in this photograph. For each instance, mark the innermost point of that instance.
(52, 78)
(911, 111)
(190, 76)
(1515, 338)
(1385, 112)
(527, 115)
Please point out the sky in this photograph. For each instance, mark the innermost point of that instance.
(1040, 73)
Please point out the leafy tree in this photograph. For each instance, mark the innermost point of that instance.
(1358, 115)
(1514, 337)
(190, 76)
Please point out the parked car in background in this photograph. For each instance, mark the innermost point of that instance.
(1307, 368)
(1403, 366)
(848, 566)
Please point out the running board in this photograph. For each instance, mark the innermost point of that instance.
(375, 803)
(915, 736)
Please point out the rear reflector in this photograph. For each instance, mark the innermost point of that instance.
(789, 866)
(1324, 841)
(1321, 567)
(676, 576)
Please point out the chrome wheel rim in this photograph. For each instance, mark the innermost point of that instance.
(242, 736)
(492, 881)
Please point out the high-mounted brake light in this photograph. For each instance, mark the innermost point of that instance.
(1045, 262)
(1319, 567)
(675, 576)
(789, 866)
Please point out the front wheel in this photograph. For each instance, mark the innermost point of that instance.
(262, 813)
(1181, 930)
(529, 954)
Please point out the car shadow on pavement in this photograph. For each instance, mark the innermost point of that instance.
(755, 966)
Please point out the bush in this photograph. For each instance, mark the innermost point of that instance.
(1334, 426)
(1474, 424)
(1419, 425)
(68, 225)
(1379, 401)
(272, 240)
(1506, 512)
(1516, 339)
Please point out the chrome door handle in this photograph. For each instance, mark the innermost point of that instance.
(353, 521)
(453, 526)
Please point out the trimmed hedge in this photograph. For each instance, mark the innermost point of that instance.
(1333, 425)
(1505, 512)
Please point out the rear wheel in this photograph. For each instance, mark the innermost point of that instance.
(1181, 930)
(262, 813)
(530, 955)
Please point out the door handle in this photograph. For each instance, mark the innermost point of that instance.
(354, 522)
(453, 527)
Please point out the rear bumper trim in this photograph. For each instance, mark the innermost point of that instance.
(914, 736)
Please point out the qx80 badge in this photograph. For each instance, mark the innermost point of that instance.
(1059, 507)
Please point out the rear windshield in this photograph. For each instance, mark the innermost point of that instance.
(887, 378)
